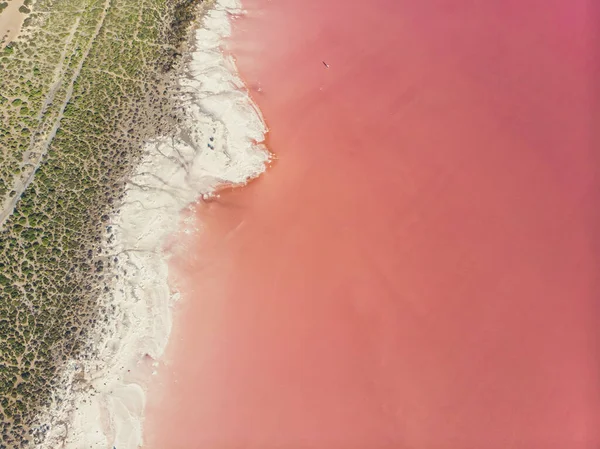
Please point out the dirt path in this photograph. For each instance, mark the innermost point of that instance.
(37, 147)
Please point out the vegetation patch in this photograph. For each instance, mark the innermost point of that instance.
(81, 91)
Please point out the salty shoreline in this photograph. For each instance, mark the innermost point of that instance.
(103, 402)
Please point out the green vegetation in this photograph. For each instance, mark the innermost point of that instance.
(85, 86)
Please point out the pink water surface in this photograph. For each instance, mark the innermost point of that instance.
(419, 269)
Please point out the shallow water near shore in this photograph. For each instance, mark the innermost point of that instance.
(419, 267)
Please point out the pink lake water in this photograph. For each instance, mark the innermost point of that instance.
(419, 269)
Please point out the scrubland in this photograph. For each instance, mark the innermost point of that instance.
(86, 83)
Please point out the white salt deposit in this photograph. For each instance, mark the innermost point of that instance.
(102, 401)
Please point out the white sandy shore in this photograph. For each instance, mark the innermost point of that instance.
(104, 409)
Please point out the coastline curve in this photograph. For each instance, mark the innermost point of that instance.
(102, 396)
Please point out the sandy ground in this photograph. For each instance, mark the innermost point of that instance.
(217, 145)
(11, 21)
